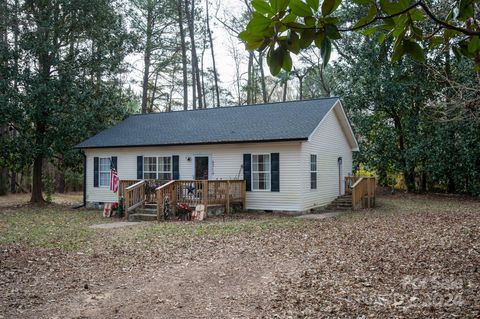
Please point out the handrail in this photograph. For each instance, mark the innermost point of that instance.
(165, 185)
(134, 196)
(363, 189)
(135, 185)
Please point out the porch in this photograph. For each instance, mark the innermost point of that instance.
(155, 193)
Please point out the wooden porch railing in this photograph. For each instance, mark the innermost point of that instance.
(363, 192)
(134, 196)
(204, 192)
(349, 181)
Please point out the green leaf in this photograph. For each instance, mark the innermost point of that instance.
(362, 1)
(435, 41)
(417, 32)
(319, 39)
(474, 44)
(332, 32)
(259, 23)
(392, 7)
(307, 38)
(310, 21)
(275, 60)
(326, 50)
(278, 5)
(252, 41)
(262, 7)
(300, 8)
(293, 42)
(313, 4)
(287, 62)
(398, 52)
(381, 38)
(414, 50)
(368, 18)
(369, 31)
(328, 6)
(289, 18)
(465, 9)
(416, 14)
(398, 48)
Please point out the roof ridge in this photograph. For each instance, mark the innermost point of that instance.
(237, 106)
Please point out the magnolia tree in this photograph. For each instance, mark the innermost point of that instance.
(283, 27)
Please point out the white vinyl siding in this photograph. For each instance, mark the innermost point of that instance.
(104, 171)
(226, 162)
(261, 172)
(328, 142)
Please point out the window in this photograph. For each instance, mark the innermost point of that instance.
(104, 171)
(313, 171)
(150, 168)
(157, 168)
(261, 172)
(165, 168)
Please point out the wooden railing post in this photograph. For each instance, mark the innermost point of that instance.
(205, 193)
(227, 205)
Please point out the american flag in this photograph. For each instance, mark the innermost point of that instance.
(114, 179)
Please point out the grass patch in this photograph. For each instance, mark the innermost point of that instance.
(213, 229)
(50, 227)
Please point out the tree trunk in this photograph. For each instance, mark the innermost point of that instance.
(37, 196)
(215, 75)
(146, 58)
(262, 77)
(60, 179)
(190, 13)
(184, 54)
(285, 84)
(250, 78)
(13, 182)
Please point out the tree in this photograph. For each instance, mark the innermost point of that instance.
(149, 19)
(69, 55)
(290, 26)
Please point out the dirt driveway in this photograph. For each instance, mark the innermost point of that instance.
(412, 257)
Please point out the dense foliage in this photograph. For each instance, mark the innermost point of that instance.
(289, 26)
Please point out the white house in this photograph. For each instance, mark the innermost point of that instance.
(292, 155)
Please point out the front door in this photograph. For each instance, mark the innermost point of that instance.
(201, 167)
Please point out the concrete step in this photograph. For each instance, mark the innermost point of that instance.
(151, 206)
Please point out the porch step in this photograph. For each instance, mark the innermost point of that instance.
(343, 202)
(148, 213)
(141, 217)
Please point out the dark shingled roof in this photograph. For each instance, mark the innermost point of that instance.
(294, 120)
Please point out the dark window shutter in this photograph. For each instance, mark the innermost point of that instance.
(139, 167)
(114, 163)
(247, 171)
(175, 167)
(275, 172)
(95, 172)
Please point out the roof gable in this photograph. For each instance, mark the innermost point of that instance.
(294, 120)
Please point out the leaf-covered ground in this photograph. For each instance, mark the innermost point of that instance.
(414, 256)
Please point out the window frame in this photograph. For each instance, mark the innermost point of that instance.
(100, 172)
(268, 173)
(313, 171)
(157, 170)
(163, 163)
